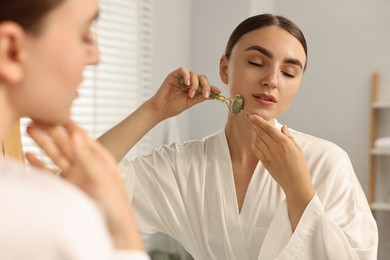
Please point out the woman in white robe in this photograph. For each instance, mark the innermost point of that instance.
(85, 215)
(255, 189)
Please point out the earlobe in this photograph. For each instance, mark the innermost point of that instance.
(11, 37)
(223, 69)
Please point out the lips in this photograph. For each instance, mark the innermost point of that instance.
(265, 97)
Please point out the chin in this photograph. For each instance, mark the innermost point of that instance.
(56, 119)
(264, 114)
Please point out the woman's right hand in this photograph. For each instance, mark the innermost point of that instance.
(171, 99)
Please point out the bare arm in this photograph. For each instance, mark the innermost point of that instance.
(123, 136)
(169, 100)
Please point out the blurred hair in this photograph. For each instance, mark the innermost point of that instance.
(29, 14)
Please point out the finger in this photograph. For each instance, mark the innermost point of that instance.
(267, 127)
(61, 138)
(260, 134)
(215, 90)
(73, 128)
(257, 150)
(91, 154)
(194, 84)
(49, 147)
(182, 73)
(74, 177)
(34, 161)
(259, 147)
(206, 88)
(286, 132)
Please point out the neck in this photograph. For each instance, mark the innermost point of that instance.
(7, 114)
(239, 137)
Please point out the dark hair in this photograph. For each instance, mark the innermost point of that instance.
(29, 14)
(264, 20)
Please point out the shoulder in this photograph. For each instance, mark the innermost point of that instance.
(313, 145)
(37, 202)
(191, 148)
(35, 184)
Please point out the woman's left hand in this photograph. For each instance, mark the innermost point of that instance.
(279, 153)
(284, 159)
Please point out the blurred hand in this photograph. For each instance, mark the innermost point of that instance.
(86, 164)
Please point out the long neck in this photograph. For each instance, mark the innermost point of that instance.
(239, 135)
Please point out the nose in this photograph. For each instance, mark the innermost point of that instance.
(270, 78)
(93, 55)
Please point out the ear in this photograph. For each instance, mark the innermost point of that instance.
(223, 69)
(12, 36)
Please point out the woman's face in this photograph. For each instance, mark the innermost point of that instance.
(54, 61)
(265, 68)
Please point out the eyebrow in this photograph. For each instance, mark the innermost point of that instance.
(270, 55)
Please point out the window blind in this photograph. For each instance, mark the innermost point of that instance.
(122, 80)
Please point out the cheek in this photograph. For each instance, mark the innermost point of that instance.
(288, 93)
(50, 94)
(52, 74)
(240, 79)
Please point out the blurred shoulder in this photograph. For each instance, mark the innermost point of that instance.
(44, 211)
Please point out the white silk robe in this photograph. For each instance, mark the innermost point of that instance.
(187, 191)
(43, 217)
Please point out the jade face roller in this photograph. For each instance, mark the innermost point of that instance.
(234, 103)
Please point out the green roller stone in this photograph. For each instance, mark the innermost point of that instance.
(236, 105)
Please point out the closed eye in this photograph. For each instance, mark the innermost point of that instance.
(288, 75)
(255, 64)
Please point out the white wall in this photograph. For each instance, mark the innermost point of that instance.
(258, 7)
(212, 23)
(172, 49)
(347, 41)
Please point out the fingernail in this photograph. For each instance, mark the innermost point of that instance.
(188, 82)
(192, 93)
(251, 117)
(207, 94)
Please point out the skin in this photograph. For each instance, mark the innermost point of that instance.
(39, 79)
(266, 62)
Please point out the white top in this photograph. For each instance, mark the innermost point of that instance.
(187, 191)
(45, 218)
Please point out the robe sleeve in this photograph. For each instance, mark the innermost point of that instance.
(336, 224)
(156, 186)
